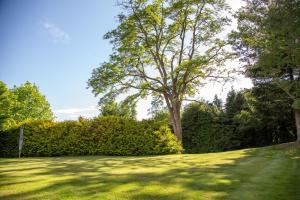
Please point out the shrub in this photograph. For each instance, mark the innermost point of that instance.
(109, 135)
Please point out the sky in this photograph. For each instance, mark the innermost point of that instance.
(56, 44)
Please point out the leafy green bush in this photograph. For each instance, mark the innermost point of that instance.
(109, 135)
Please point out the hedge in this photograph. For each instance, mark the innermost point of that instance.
(204, 130)
(101, 136)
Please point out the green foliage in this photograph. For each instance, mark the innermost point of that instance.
(123, 109)
(31, 104)
(22, 103)
(264, 117)
(9, 143)
(110, 135)
(204, 129)
(217, 102)
(234, 103)
(161, 116)
(240, 114)
(7, 102)
(260, 116)
(274, 115)
(296, 104)
(252, 117)
(268, 39)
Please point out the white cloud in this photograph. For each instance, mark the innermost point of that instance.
(56, 33)
(74, 113)
(236, 4)
(142, 108)
(73, 110)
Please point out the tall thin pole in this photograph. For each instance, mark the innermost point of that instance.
(21, 138)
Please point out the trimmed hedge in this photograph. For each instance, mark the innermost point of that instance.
(101, 136)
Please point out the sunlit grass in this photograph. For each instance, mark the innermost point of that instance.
(263, 173)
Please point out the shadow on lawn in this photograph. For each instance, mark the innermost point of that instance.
(256, 174)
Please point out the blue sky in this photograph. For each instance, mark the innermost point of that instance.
(57, 43)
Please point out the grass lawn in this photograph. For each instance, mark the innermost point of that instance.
(262, 173)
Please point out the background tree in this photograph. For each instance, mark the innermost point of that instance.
(217, 102)
(6, 105)
(162, 116)
(254, 117)
(265, 117)
(109, 108)
(22, 103)
(268, 41)
(164, 49)
(234, 103)
(118, 109)
(274, 115)
(31, 104)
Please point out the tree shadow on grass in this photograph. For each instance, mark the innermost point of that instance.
(266, 173)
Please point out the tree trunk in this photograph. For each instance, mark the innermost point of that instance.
(176, 122)
(174, 110)
(177, 127)
(297, 118)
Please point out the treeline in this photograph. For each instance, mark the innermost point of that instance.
(260, 116)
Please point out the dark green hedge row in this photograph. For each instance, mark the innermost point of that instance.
(9, 143)
(205, 130)
(100, 136)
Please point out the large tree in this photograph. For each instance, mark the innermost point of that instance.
(268, 39)
(165, 49)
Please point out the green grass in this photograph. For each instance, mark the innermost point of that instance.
(262, 173)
